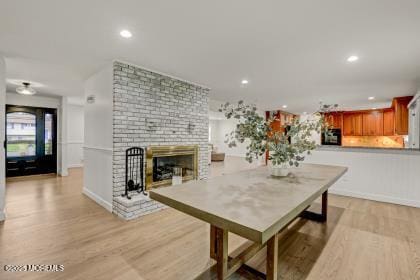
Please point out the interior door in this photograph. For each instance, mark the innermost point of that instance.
(31, 146)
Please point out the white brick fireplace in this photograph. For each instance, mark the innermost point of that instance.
(148, 109)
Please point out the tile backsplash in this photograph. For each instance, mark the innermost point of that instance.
(373, 141)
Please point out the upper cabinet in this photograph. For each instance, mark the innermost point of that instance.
(389, 122)
(382, 122)
(373, 123)
(334, 119)
(352, 124)
(281, 119)
(400, 107)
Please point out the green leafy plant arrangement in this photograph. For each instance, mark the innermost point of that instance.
(286, 147)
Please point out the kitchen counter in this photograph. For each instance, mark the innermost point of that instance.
(369, 149)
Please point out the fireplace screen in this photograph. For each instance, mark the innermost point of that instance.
(163, 166)
(162, 160)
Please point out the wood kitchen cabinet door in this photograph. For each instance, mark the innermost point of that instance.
(338, 120)
(352, 124)
(334, 119)
(389, 122)
(399, 105)
(373, 123)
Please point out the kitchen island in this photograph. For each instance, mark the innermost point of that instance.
(381, 174)
(335, 148)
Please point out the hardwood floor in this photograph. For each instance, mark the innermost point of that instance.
(49, 221)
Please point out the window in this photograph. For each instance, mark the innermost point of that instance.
(21, 134)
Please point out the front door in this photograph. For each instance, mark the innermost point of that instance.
(31, 143)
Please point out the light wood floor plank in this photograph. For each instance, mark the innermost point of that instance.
(49, 221)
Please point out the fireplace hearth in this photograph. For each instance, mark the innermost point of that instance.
(161, 161)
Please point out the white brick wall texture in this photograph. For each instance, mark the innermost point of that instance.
(153, 109)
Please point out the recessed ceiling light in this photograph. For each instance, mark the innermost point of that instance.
(244, 82)
(284, 106)
(126, 34)
(374, 108)
(352, 58)
(371, 97)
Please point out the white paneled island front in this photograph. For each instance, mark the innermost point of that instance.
(387, 175)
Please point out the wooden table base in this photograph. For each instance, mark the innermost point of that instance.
(226, 265)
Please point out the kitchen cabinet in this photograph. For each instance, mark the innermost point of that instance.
(373, 123)
(352, 124)
(334, 119)
(400, 106)
(389, 122)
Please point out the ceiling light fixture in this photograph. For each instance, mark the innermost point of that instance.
(244, 82)
(284, 106)
(126, 34)
(374, 108)
(371, 97)
(26, 89)
(352, 58)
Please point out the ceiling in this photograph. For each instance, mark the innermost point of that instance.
(292, 52)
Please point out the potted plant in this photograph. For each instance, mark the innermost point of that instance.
(286, 147)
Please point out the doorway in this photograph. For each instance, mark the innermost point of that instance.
(31, 140)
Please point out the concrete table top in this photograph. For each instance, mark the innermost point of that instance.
(251, 203)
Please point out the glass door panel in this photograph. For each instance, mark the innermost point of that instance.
(48, 134)
(21, 134)
(31, 143)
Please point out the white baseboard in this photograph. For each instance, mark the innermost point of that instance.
(97, 199)
(63, 172)
(76, 165)
(376, 197)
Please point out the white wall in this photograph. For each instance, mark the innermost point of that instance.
(98, 138)
(2, 134)
(387, 176)
(62, 137)
(219, 129)
(220, 126)
(414, 122)
(32, 100)
(75, 135)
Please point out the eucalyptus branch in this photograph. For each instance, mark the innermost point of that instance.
(287, 146)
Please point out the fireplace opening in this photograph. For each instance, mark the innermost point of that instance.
(163, 160)
(163, 167)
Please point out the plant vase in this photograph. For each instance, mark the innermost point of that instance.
(280, 170)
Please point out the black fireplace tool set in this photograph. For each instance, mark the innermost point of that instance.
(134, 171)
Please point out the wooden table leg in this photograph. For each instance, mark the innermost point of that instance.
(316, 216)
(213, 242)
(221, 241)
(324, 205)
(272, 257)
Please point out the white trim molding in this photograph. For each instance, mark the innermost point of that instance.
(2, 215)
(76, 165)
(97, 199)
(108, 150)
(376, 197)
(75, 142)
